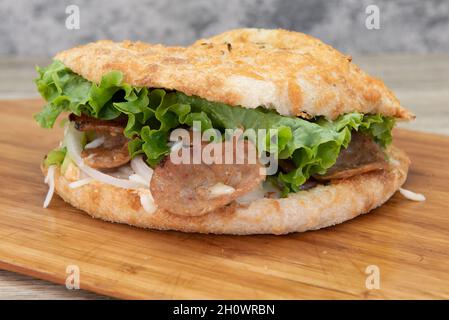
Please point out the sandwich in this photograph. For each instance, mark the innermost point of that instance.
(297, 136)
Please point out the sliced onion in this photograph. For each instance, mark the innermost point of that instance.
(50, 180)
(95, 143)
(261, 191)
(80, 183)
(147, 202)
(141, 168)
(257, 193)
(137, 178)
(74, 148)
(412, 195)
(72, 139)
(220, 189)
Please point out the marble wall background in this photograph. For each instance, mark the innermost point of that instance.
(37, 28)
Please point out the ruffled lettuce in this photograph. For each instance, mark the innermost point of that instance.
(313, 146)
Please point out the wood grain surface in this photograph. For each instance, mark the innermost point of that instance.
(407, 241)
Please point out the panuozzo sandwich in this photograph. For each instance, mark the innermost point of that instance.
(323, 122)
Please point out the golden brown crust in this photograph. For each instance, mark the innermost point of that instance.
(292, 72)
(319, 207)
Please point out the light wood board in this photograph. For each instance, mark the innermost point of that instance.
(407, 241)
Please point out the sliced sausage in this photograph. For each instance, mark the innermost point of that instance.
(86, 123)
(196, 189)
(112, 153)
(362, 155)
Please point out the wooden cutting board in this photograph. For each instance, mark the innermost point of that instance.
(407, 241)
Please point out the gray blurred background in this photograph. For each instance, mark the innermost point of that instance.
(37, 28)
(410, 50)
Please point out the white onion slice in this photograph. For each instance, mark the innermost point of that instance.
(257, 193)
(147, 202)
(47, 177)
(412, 195)
(137, 178)
(72, 139)
(262, 190)
(74, 148)
(141, 168)
(80, 183)
(220, 189)
(50, 180)
(95, 143)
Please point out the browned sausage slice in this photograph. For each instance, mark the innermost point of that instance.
(196, 189)
(112, 153)
(362, 155)
(86, 123)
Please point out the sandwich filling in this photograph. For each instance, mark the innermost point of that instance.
(117, 125)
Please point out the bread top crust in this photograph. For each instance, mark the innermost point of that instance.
(296, 74)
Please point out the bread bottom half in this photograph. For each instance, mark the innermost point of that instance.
(319, 207)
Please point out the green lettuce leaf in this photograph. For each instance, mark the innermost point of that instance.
(313, 146)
